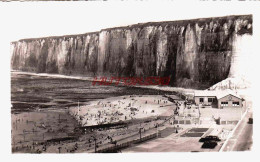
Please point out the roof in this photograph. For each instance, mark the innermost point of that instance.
(205, 93)
(174, 97)
(223, 94)
(217, 94)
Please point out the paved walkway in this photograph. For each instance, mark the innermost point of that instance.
(173, 143)
(128, 139)
(242, 137)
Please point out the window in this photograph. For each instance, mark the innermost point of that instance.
(201, 99)
(235, 103)
(210, 99)
(224, 103)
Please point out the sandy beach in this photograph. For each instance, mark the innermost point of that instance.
(115, 109)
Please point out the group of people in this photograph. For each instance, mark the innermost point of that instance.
(111, 112)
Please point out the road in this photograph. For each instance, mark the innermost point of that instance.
(242, 137)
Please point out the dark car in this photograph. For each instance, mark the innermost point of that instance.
(209, 144)
(250, 121)
(210, 138)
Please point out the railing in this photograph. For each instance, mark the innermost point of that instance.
(166, 120)
(123, 145)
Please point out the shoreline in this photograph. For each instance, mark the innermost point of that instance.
(179, 91)
(186, 91)
(155, 87)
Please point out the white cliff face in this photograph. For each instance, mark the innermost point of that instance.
(62, 54)
(241, 70)
(241, 56)
(162, 54)
(103, 41)
(198, 30)
(193, 53)
(129, 38)
(190, 52)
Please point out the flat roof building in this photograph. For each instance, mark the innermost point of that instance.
(219, 99)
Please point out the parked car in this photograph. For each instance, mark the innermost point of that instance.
(209, 144)
(210, 138)
(250, 121)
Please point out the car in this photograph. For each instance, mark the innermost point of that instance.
(210, 138)
(250, 121)
(209, 144)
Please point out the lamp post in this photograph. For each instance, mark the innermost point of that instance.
(24, 134)
(199, 114)
(140, 131)
(78, 107)
(157, 131)
(241, 113)
(59, 149)
(95, 140)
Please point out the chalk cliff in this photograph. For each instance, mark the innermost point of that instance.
(195, 53)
